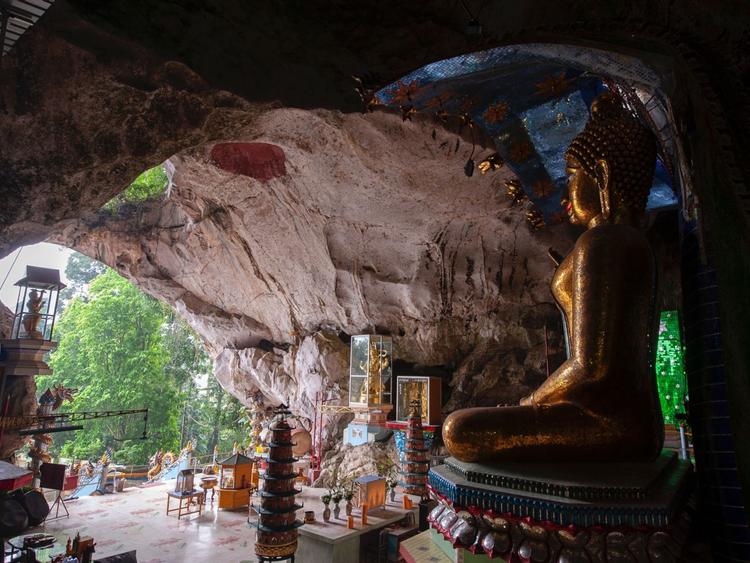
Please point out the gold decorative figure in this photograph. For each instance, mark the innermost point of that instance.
(491, 163)
(33, 316)
(515, 191)
(378, 362)
(602, 403)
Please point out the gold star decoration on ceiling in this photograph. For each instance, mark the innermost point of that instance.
(496, 112)
(466, 105)
(552, 87)
(437, 102)
(404, 92)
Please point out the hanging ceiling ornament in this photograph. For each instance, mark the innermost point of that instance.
(515, 190)
(535, 219)
(366, 87)
(491, 163)
(407, 111)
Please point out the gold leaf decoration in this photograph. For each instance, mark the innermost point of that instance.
(404, 92)
(515, 190)
(491, 163)
(535, 219)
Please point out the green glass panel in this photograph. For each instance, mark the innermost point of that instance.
(670, 367)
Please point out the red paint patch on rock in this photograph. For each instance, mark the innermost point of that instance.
(261, 161)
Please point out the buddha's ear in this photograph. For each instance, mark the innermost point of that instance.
(603, 181)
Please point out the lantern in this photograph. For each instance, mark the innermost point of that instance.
(36, 305)
(185, 480)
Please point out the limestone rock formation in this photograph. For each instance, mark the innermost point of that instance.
(359, 460)
(366, 223)
(284, 230)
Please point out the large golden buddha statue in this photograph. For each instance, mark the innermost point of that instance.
(602, 403)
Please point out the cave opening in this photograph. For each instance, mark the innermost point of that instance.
(117, 353)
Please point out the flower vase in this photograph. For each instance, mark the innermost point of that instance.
(348, 508)
(336, 511)
(327, 513)
(393, 494)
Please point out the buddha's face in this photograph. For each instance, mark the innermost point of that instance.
(582, 203)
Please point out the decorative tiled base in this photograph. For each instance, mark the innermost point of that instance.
(616, 494)
(554, 512)
(400, 438)
(512, 539)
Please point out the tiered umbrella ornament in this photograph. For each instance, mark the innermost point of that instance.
(277, 524)
(415, 460)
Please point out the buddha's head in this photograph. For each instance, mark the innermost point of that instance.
(610, 165)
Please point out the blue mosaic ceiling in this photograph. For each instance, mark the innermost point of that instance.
(531, 100)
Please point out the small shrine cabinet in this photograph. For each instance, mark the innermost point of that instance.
(185, 482)
(235, 481)
(370, 370)
(426, 391)
(371, 491)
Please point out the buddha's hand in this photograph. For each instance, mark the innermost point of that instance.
(527, 401)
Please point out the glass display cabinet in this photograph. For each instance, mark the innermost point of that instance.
(185, 479)
(426, 391)
(371, 370)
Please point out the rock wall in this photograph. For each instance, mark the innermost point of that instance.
(366, 223)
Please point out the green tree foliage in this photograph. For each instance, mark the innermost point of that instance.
(124, 350)
(149, 185)
(209, 415)
(111, 349)
(80, 271)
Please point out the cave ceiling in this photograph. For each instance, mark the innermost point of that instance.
(531, 100)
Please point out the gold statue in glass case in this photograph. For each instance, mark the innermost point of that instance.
(422, 391)
(370, 370)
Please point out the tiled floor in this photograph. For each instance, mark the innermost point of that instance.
(421, 549)
(136, 519)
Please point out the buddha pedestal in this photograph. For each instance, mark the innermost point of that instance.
(536, 511)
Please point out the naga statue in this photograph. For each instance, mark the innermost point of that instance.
(51, 400)
(601, 404)
(154, 465)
